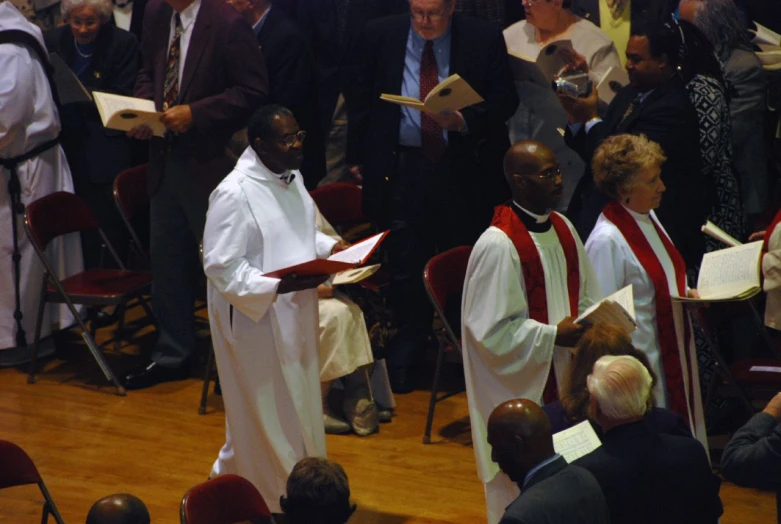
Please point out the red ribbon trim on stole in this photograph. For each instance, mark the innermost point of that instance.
(508, 222)
(770, 229)
(671, 360)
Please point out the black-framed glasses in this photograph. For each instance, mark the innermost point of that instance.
(552, 173)
(435, 16)
(290, 140)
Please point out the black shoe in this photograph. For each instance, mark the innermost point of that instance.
(402, 380)
(153, 373)
(104, 319)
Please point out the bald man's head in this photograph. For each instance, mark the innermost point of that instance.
(534, 176)
(519, 433)
(121, 508)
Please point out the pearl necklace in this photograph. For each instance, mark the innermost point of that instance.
(83, 55)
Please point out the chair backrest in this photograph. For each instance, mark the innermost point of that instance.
(223, 500)
(16, 466)
(55, 215)
(130, 191)
(444, 277)
(340, 203)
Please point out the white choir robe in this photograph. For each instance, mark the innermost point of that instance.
(267, 357)
(507, 355)
(28, 118)
(771, 270)
(616, 267)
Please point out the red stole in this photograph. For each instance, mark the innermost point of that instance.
(665, 326)
(507, 220)
(770, 229)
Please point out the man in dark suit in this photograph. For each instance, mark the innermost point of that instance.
(291, 76)
(551, 491)
(203, 68)
(753, 456)
(656, 105)
(431, 179)
(647, 477)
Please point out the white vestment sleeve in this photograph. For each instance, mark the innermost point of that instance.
(225, 241)
(607, 261)
(771, 269)
(15, 108)
(591, 290)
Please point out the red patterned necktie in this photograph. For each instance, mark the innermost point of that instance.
(171, 87)
(432, 141)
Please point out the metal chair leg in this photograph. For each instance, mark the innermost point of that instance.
(434, 392)
(120, 312)
(37, 340)
(49, 507)
(206, 380)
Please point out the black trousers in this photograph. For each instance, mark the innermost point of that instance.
(426, 214)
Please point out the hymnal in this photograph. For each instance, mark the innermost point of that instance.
(729, 274)
(617, 309)
(124, 112)
(452, 94)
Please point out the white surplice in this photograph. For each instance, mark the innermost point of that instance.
(267, 353)
(617, 266)
(506, 354)
(771, 270)
(29, 118)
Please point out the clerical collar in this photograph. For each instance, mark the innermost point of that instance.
(533, 222)
(287, 177)
(639, 217)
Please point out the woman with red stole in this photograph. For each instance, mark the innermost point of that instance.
(629, 246)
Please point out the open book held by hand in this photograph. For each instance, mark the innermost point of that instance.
(452, 94)
(729, 274)
(617, 309)
(353, 256)
(550, 62)
(125, 112)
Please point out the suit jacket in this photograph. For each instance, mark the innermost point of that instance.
(478, 54)
(559, 493)
(291, 77)
(650, 478)
(659, 419)
(224, 82)
(336, 65)
(96, 154)
(753, 456)
(668, 118)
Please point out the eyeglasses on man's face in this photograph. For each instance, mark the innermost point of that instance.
(530, 3)
(552, 173)
(292, 138)
(433, 16)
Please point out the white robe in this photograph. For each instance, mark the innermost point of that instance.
(507, 355)
(771, 269)
(29, 118)
(617, 266)
(267, 356)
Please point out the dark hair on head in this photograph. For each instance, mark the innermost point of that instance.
(600, 340)
(317, 493)
(699, 56)
(261, 123)
(663, 39)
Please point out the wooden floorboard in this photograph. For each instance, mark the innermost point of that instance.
(88, 442)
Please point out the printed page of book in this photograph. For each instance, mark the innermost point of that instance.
(551, 61)
(353, 276)
(617, 309)
(452, 94)
(124, 112)
(615, 80)
(69, 87)
(577, 441)
(714, 231)
(360, 252)
(729, 274)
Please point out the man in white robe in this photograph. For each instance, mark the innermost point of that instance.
(264, 329)
(507, 353)
(28, 120)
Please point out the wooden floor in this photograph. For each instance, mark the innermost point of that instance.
(88, 442)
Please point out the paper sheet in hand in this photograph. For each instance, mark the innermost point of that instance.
(729, 274)
(125, 112)
(613, 81)
(763, 35)
(353, 256)
(69, 88)
(353, 276)
(617, 309)
(714, 231)
(575, 442)
(452, 94)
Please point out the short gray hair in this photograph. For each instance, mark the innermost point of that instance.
(104, 8)
(720, 21)
(621, 385)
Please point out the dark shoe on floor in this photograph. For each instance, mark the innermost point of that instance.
(402, 380)
(103, 318)
(152, 374)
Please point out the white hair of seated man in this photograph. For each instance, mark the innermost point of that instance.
(621, 386)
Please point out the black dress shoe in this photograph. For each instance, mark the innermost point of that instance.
(151, 374)
(402, 380)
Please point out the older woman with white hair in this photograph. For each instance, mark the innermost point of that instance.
(104, 58)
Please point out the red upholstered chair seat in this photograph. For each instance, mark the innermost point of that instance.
(109, 285)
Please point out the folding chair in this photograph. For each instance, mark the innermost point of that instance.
(18, 469)
(226, 499)
(342, 205)
(58, 214)
(443, 278)
(132, 199)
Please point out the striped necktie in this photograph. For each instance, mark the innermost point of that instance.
(171, 87)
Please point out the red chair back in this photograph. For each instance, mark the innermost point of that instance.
(223, 500)
(340, 203)
(130, 191)
(16, 466)
(444, 276)
(58, 214)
